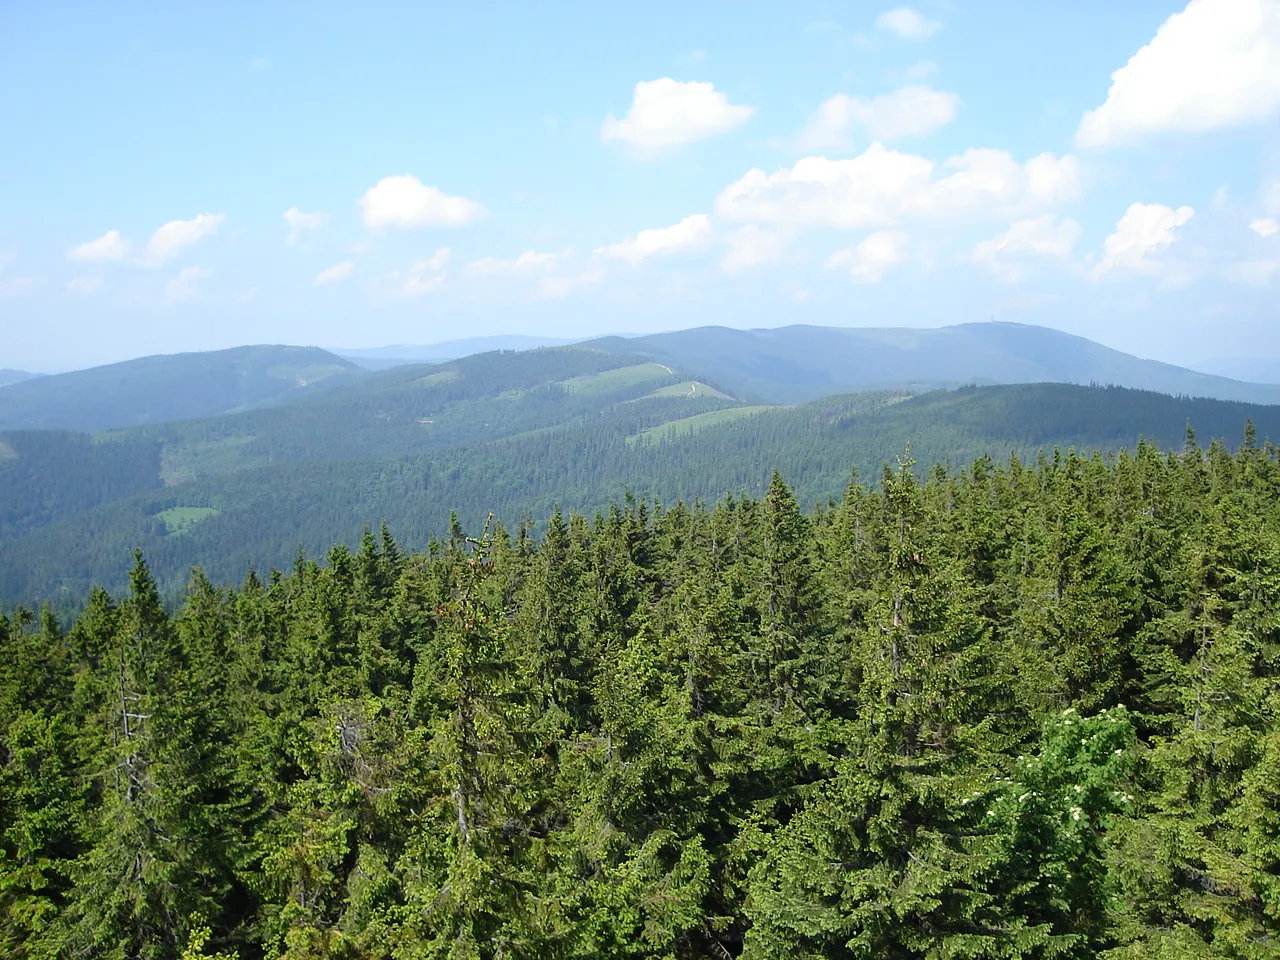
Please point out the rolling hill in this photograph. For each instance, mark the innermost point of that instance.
(800, 363)
(10, 377)
(382, 358)
(241, 457)
(578, 450)
(169, 387)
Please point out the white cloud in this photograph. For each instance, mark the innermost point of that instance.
(405, 201)
(907, 112)
(750, 246)
(881, 187)
(424, 275)
(1035, 235)
(1144, 229)
(907, 23)
(186, 285)
(339, 271)
(109, 246)
(530, 261)
(689, 234)
(84, 286)
(176, 235)
(667, 113)
(1213, 65)
(299, 221)
(875, 256)
(1264, 227)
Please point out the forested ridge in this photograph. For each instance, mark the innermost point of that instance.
(1022, 710)
(348, 461)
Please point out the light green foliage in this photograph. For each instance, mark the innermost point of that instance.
(693, 424)
(178, 520)
(692, 389)
(621, 378)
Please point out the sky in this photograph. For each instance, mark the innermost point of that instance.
(196, 176)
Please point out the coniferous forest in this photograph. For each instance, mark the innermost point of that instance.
(1027, 710)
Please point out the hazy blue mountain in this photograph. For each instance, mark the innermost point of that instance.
(169, 387)
(1255, 369)
(800, 363)
(8, 377)
(380, 358)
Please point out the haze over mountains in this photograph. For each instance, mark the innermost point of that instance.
(167, 387)
(784, 365)
(238, 458)
(8, 377)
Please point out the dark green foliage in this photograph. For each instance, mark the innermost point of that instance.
(50, 475)
(281, 479)
(1019, 711)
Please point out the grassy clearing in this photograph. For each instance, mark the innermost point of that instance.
(7, 452)
(691, 389)
(300, 375)
(435, 379)
(689, 425)
(619, 379)
(178, 520)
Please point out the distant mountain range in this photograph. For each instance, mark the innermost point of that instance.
(8, 377)
(169, 387)
(801, 363)
(786, 365)
(1255, 369)
(381, 358)
(512, 433)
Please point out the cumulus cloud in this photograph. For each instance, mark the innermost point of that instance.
(1041, 235)
(1212, 65)
(908, 112)
(109, 246)
(339, 271)
(689, 234)
(907, 23)
(405, 201)
(186, 285)
(424, 275)
(667, 113)
(176, 235)
(881, 187)
(1264, 226)
(299, 222)
(1144, 229)
(531, 261)
(750, 246)
(875, 256)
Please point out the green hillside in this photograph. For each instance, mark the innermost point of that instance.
(266, 511)
(169, 387)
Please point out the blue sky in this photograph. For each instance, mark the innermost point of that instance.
(187, 176)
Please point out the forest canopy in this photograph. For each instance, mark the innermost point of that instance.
(1023, 710)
